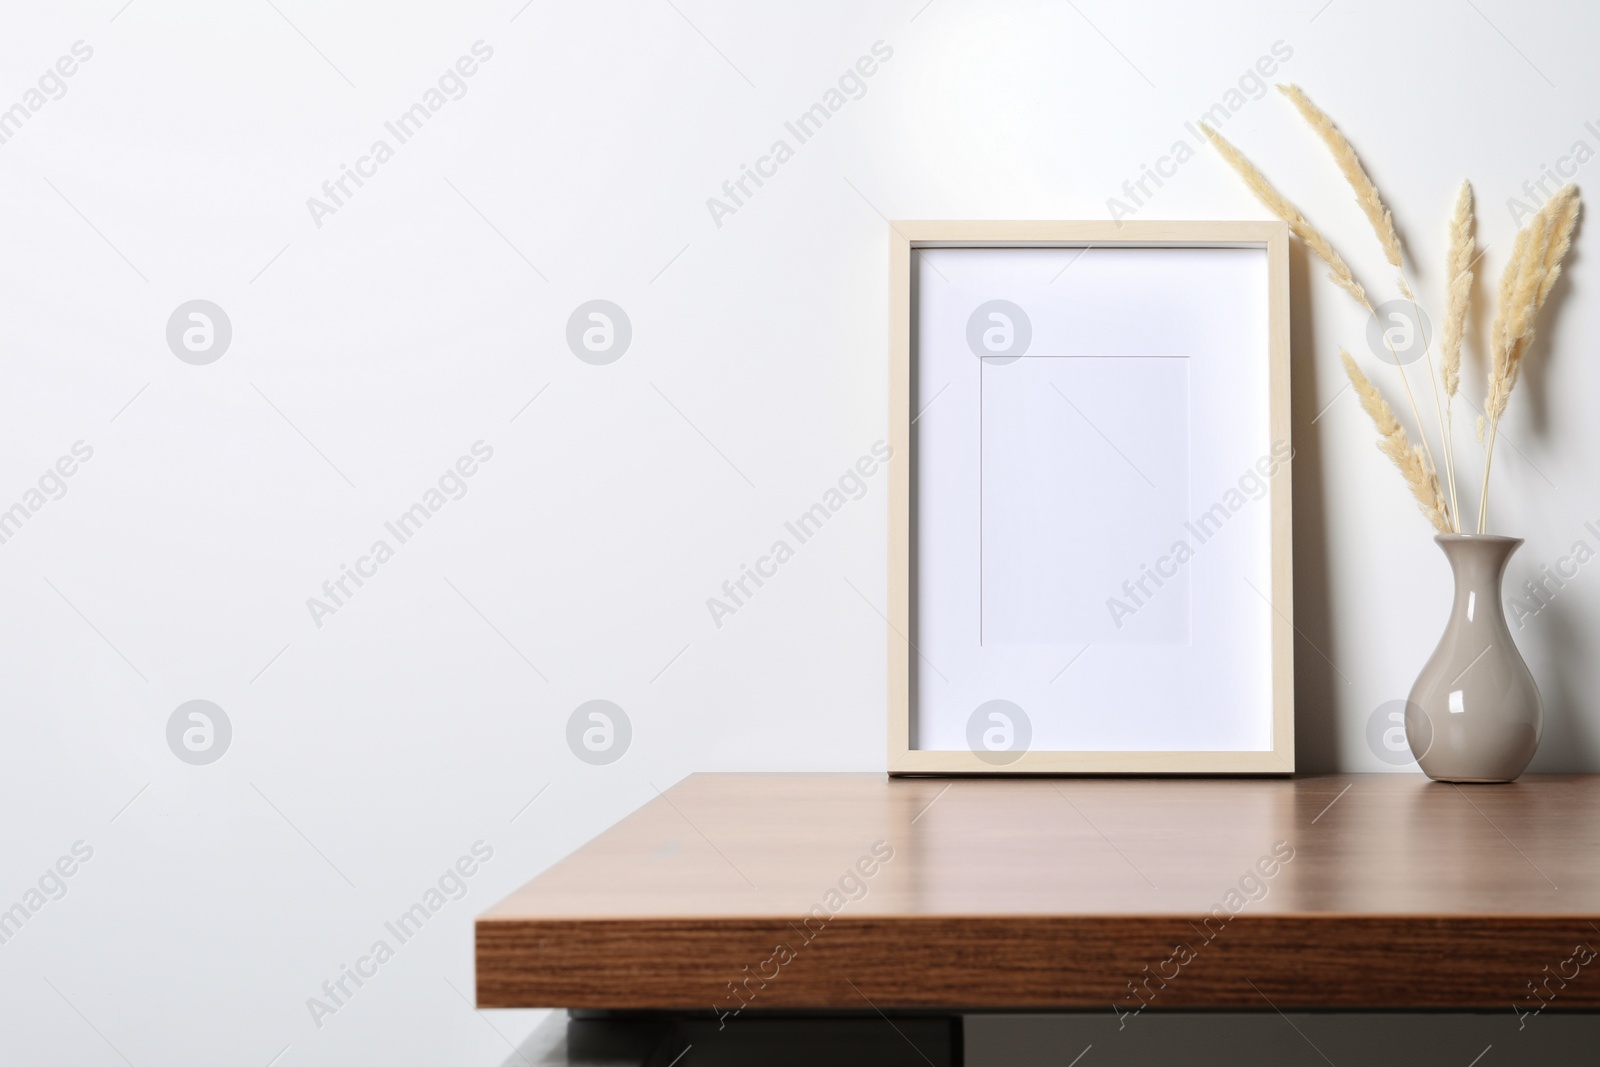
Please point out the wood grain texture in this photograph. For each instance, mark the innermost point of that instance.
(1380, 891)
(905, 237)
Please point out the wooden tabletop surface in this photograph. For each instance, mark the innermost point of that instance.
(765, 891)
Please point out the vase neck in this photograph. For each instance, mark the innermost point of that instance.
(1479, 565)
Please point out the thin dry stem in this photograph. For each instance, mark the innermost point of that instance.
(1382, 222)
(1413, 463)
(1411, 399)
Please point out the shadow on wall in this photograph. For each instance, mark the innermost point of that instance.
(1316, 733)
(1557, 655)
(1568, 742)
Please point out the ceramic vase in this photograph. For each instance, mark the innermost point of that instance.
(1474, 714)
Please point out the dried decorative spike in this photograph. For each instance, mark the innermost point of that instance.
(1354, 173)
(1280, 206)
(1421, 478)
(1458, 287)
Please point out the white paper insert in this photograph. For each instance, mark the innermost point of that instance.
(1080, 416)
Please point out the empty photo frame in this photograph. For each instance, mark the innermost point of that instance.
(1089, 550)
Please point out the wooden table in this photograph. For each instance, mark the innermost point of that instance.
(742, 894)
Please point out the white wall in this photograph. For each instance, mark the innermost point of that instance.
(372, 351)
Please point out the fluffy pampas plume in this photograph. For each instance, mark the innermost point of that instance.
(1531, 273)
(1382, 221)
(1392, 441)
(1458, 288)
(1529, 277)
(1535, 264)
(1458, 296)
(1345, 156)
(1276, 203)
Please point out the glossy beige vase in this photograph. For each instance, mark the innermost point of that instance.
(1474, 714)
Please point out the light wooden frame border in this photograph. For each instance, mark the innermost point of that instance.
(906, 236)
